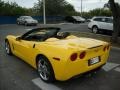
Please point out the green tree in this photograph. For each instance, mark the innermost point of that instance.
(11, 9)
(54, 7)
(95, 12)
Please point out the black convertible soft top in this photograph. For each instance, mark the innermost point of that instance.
(38, 29)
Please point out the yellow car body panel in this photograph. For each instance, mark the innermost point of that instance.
(52, 48)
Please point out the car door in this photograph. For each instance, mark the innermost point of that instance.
(106, 24)
(98, 22)
(25, 50)
(20, 19)
(109, 23)
(103, 24)
(23, 20)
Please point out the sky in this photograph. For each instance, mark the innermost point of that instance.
(87, 4)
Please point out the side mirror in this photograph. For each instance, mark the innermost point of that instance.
(18, 38)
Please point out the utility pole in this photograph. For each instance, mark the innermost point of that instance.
(81, 8)
(44, 14)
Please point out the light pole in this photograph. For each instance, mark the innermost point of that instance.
(81, 7)
(44, 14)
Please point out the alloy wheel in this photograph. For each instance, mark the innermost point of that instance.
(43, 69)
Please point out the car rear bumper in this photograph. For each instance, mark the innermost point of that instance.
(80, 67)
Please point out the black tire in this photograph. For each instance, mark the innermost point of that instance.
(45, 71)
(95, 29)
(25, 23)
(35, 24)
(8, 48)
(18, 22)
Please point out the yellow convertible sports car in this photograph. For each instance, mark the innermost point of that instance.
(58, 55)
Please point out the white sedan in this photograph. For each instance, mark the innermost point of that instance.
(26, 20)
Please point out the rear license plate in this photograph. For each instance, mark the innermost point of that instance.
(94, 61)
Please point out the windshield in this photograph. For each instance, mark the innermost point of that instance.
(44, 32)
(78, 17)
(28, 17)
(40, 34)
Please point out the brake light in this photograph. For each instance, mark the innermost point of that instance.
(73, 57)
(82, 55)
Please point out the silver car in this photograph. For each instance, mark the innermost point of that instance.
(26, 20)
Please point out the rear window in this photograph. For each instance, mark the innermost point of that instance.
(109, 20)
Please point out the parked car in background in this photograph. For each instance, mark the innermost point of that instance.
(74, 19)
(88, 20)
(101, 23)
(26, 20)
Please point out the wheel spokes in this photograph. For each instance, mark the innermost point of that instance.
(43, 70)
(7, 47)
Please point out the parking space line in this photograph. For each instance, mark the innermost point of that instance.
(44, 86)
(28, 29)
(109, 66)
(49, 86)
(117, 69)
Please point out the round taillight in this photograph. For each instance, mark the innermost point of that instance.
(73, 57)
(104, 49)
(82, 55)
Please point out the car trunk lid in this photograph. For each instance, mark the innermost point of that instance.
(86, 43)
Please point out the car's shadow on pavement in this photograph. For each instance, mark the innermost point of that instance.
(90, 79)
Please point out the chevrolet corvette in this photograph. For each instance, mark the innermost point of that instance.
(57, 55)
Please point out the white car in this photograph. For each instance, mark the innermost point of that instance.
(26, 20)
(104, 24)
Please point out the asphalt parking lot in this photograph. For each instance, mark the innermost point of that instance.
(17, 75)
